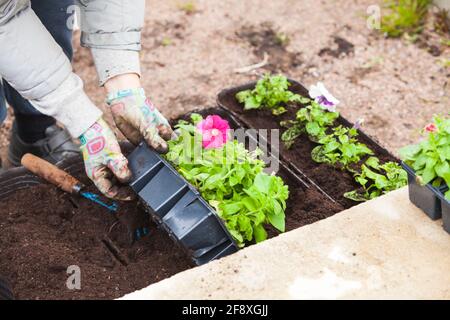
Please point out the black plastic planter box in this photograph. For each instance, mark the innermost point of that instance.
(428, 198)
(445, 205)
(178, 207)
(226, 95)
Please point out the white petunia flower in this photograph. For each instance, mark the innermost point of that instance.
(323, 97)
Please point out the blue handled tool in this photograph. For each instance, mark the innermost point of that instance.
(96, 198)
(62, 180)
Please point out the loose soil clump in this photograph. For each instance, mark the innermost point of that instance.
(266, 40)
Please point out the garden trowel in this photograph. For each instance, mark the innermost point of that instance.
(62, 180)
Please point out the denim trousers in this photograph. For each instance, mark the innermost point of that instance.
(54, 15)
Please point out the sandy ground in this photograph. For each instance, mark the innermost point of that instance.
(188, 58)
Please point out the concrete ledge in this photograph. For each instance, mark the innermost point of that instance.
(385, 248)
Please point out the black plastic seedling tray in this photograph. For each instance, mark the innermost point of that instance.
(445, 208)
(178, 207)
(445, 213)
(428, 198)
(296, 87)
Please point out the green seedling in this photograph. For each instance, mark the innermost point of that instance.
(313, 119)
(232, 180)
(188, 7)
(405, 17)
(377, 179)
(271, 92)
(340, 149)
(282, 39)
(430, 159)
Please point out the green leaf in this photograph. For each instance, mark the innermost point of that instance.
(356, 196)
(196, 118)
(231, 208)
(279, 111)
(373, 162)
(277, 220)
(318, 155)
(237, 236)
(289, 136)
(251, 103)
(271, 92)
(249, 203)
(262, 182)
(428, 175)
(313, 129)
(260, 233)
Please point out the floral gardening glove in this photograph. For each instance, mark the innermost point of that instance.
(138, 119)
(103, 160)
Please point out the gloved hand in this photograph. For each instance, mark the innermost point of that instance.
(103, 160)
(138, 119)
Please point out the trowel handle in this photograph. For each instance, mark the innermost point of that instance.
(51, 173)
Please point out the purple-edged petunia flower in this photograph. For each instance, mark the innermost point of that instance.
(214, 131)
(323, 97)
(359, 123)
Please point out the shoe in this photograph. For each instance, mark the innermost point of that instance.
(55, 147)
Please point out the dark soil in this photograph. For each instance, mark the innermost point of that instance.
(341, 48)
(265, 39)
(42, 233)
(333, 181)
(305, 205)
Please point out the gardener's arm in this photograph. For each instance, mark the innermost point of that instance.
(112, 29)
(32, 62)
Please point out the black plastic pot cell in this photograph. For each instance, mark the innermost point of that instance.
(427, 198)
(178, 207)
(446, 217)
(445, 207)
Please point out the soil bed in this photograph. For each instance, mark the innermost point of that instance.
(333, 181)
(43, 231)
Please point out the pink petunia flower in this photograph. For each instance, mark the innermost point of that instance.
(214, 131)
(431, 128)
